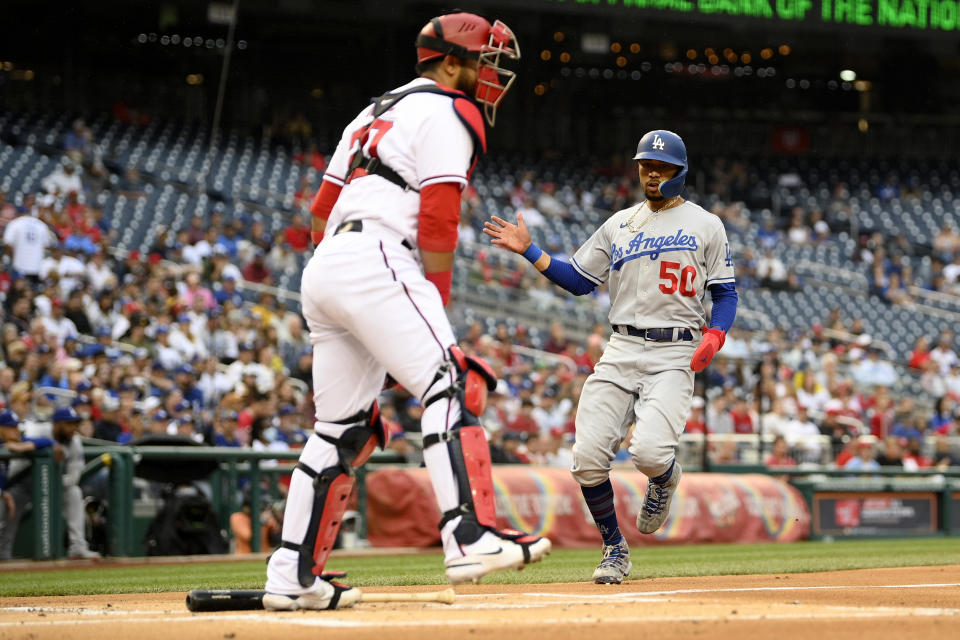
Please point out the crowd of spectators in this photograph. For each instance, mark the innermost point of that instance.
(159, 342)
(174, 341)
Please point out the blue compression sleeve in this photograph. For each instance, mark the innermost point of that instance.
(41, 442)
(724, 305)
(561, 273)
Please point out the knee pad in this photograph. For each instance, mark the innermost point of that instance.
(363, 433)
(332, 487)
(475, 379)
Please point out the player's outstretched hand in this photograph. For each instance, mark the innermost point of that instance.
(712, 340)
(513, 237)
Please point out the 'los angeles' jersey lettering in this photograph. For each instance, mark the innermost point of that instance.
(652, 246)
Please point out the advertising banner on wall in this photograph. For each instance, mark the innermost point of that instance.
(544, 501)
(865, 514)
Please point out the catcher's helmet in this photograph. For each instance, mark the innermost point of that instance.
(665, 146)
(466, 35)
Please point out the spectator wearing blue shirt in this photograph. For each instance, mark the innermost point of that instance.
(228, 240)
(185, 377)
(768, 237)
(225, 430)
(864, 460)
(289, 432)
(227, 292)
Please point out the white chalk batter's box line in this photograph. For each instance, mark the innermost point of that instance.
(655, 594)
(545, 600)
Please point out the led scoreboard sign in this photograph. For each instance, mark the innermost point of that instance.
(908, 15)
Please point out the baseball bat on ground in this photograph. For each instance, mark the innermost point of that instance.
(202, 600)
(447, 596)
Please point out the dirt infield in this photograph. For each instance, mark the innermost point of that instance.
(901, 603)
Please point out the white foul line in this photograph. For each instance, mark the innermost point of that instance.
(643, 594)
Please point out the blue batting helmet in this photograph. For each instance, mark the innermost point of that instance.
(665, 146)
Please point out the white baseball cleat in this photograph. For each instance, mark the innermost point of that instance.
(325, 595)
(496, 551)
(656, 504)
(83, 554)
(616, 565)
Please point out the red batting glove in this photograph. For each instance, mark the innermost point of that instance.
(316, 236)
(712, 342)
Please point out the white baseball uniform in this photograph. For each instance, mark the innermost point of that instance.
(658, 265)
(28, 237)
(368, 306)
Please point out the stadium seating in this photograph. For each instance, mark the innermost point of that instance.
(241, 175)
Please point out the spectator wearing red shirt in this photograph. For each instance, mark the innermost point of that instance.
(88, 226)
(780, 456)
(850, 449)
(256, 271)
(912, 454)
(62, 226)
(557, 342)
(695, 421)
(524, 422)
(881, 413)
(740, 414)
(587, 359)
(303, 197)
(920, 354)
(75, 211)
(313, 157)
(297, 234)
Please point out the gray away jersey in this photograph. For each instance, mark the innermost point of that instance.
(658, 274)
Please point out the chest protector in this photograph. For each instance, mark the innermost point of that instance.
(466, 109)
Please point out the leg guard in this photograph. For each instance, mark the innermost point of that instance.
(467, 446)
(470, 459)
(332, 488)
(331, 491)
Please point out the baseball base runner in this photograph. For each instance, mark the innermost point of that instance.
(658, 257)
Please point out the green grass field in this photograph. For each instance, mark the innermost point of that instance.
(561, 566)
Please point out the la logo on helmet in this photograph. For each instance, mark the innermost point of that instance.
(658, 143)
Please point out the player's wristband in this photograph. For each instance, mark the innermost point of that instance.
(316, 236)
(532, 253)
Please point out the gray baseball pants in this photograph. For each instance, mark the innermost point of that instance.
(640, 382)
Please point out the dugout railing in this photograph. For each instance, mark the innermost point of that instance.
(259, 470)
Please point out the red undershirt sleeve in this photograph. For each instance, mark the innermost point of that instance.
(439, 217)
(323, 204)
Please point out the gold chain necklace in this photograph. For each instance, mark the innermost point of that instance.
(652, 215)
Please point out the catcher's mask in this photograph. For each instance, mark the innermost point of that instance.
(665, 146)
(468, 36)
